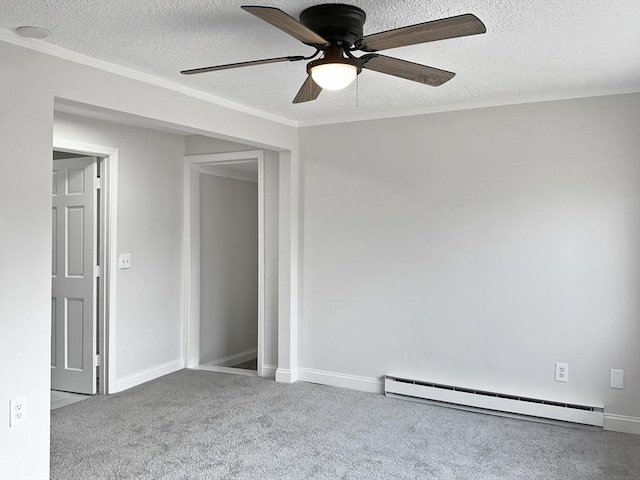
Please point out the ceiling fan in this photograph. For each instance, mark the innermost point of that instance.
(336, 31)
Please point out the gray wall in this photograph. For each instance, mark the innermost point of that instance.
(63, 155)
(149, 296)
(29, 83)
(199, 145)
(477, 248)
(229, 267)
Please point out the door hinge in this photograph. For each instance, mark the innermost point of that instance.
(98, 361)
(98, 271)
(98, 183)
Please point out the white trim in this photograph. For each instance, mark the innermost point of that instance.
(622, 423)
(333, 379)
(269, 371)
(191, 267)
(232, 360)
(233, 371)
(191, 254)
(470, 105)
(284, 375)
(612, 422)
(262, 267)
(225, 158)
(148, 375)
(56, 51)
(222, 172)
(108, 300)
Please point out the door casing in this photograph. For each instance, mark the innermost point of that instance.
(193, 163)
(108, 247)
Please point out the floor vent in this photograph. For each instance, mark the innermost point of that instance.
(492, 402)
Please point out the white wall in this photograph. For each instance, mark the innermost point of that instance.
(481, 233)
(29, 83)
(64, 155)
(201, 145)
(26, 119)
(228, 267)
(149, 295)
(477, 248)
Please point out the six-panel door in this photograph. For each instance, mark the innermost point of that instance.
(74, 257)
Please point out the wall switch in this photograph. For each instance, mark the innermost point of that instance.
(18, 408)
(562, 372)
(617, 378)
(124, 261)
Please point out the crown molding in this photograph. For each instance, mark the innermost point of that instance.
(472, 105)
(54, 50)
(60, 52)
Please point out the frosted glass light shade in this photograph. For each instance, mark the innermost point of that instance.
(334, 76)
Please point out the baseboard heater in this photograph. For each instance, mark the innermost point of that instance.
(492, 402)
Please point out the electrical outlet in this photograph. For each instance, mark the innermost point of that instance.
(124, 261)
(617, 379)
(562, 372)
(18, 408)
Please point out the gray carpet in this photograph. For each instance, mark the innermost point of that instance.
(204, 425)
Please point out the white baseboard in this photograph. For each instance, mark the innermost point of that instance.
(612, 422)
(232, 360)
(364, 384)
(269, 371)
(284, 375)
(621, 423)
(147, 375)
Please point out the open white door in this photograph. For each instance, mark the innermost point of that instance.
(74, 260)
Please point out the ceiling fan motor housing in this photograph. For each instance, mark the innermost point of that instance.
(333, 55)
(339, 24)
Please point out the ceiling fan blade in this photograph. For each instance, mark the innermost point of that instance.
(309, 91)
(242, 64)
(452, 27)
(287, 24)
(404, 69)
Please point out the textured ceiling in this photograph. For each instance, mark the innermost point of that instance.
(533, 49)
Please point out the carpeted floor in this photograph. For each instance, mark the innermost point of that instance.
(204, 425)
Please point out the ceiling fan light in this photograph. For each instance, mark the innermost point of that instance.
(334, 76)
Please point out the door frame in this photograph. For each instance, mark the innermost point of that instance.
(108, 247)
(192, 167)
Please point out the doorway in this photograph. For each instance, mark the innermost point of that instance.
(229, 265)
(75, 273)
(83, 285)
(194, 166)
